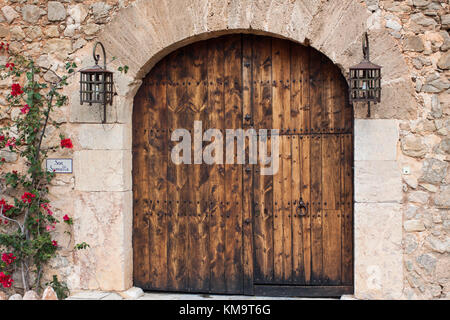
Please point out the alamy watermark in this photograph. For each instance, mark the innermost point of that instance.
(213, 153)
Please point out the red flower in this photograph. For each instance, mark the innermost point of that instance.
(46, 207)
(16, 89)
(6, 207)
(25, 109)
(54, 243)
(66, 218)
(8, 258)
(11, 142)
(66, 143)
(5, 280)
(2, 138)
(27, 197)
(10, 66)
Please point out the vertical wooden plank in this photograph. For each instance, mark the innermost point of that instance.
(300, 117)
(286, 159)
(328, 107)
(282, 63)
(316, 210)
(216, 190)
(338, 102)
(140, 234)
(177, 176)
(262, 82)
(295, 116)
(315, 91)
(247, 195)
(195, 81)
(316, 105)
(233, 172)
(347, 208)
(331, 182)
(279, 121)
(305, 195)
(298, 268)
(263, 191)
(157, 175)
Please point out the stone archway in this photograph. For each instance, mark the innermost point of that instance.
(141, 34)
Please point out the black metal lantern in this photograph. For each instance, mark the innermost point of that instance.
(365, 79)
(96, 83)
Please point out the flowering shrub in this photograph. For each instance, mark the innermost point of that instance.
(26, 219)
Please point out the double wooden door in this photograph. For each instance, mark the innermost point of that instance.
(226, 228)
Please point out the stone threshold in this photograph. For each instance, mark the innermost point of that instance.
(138, 294)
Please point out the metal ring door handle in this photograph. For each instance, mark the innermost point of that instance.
(302, 208)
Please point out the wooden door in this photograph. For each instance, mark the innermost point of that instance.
(225, 228)
(302, 218)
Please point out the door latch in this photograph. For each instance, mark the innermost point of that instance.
(302, 208)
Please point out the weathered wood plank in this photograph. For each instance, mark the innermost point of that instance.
(316, 91)
(305, 195)
(140, 234)
(317, 125)
(216, 192)
(347, 209)
(247, 194)
(298, 268)
(331, 233)
(233, 172)
(263, 191)
(197, 99)
(316, 210)
(157, 168)
(302, 291)
(178, 177)
(278, 121)
(286, 159)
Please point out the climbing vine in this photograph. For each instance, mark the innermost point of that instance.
(27, 222)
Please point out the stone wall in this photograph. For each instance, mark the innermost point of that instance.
(402, 191)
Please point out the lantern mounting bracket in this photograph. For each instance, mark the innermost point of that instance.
(97, 56)
(365, 46)
(365, 79)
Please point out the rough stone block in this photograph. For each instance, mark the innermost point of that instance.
(91, 114)
(133, 293)
(32, 13)
(377, 181)
(88, 295)
(376, 139)
(102, 170)
(113, 296)
(378, 251)
(397, 102)
(108, 263)
(30, 295)
(414, 226)
(104, 136)
(56, 11)
(9, 13)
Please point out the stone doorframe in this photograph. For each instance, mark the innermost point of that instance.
(143, 33)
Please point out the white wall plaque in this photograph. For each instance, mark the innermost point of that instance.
(59, 165)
